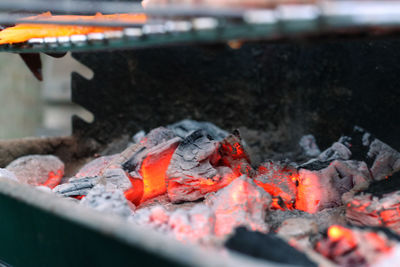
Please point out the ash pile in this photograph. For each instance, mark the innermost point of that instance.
(196, 183)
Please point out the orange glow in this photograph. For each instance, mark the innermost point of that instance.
(337, 232)
(54, 179)
(135, 193)
(153, 171)
(309, 193)
(280, 184)
(22, 32)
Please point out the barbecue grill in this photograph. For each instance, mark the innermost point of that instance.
(289, 68)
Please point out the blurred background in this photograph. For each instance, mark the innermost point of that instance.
(33, 108)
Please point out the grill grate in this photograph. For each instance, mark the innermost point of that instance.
(191, 25)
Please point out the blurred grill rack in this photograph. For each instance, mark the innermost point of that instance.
(185, 24)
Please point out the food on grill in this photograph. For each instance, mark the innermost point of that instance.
(22, 32)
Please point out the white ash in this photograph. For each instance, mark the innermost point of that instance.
(196, 224)
(4, 173)
(336, 151)
(138, 136)
(241, 203)
(186, 127)
(35, 169)
(157, 136)
(116, 179)
(95, 167)
(387, 160)
(44, 189)
(297, 228)
(109, 202)
(309, 145)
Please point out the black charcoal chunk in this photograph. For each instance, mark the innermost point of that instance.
(267, 246)
(386, 186)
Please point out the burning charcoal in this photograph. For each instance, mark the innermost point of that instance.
(279, 180)
(186, 127)
(369, 210)
(267, 246)
(234, 155)
(95, 167)
(309, 146)
(110, 202)
(324, 188)
(242, 203)
(4, 173)
(38, 170)
(354, 247)
(200, 165)
(151, 166)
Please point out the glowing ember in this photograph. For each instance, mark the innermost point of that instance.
(354, 247)
(324, 188)
(54, 179)
(367, 210)
(38, 170)
(279, 181)
(153, 171)
(22, 32)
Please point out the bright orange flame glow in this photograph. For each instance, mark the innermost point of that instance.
(135, 193)
(54, 179)
(337, 232)
(309, 193)
(153, 171)
(22, 32)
